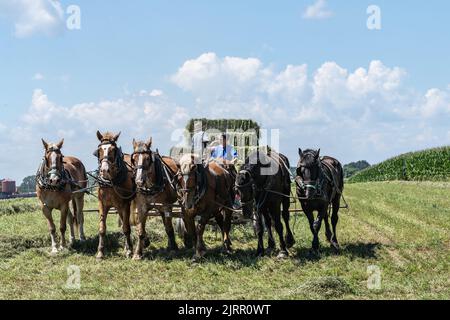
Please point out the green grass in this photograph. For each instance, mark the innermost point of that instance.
(401, 227)
(426, 165)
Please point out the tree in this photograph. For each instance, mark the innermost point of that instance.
(354, 167)
(28, 184)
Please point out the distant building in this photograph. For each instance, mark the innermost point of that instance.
(7, 187)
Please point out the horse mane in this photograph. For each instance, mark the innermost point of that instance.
(186, 161)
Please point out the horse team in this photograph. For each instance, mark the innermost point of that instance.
(145, 180)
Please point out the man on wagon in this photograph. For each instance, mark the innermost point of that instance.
(224, 152)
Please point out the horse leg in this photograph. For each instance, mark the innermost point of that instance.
(200, 247)
(268, 222)
(290, 241)
(71, 221)
(80, 216)
(126, 229)
(227, 228)
(63, 225)
(166, 216)
(322, 212)
(259, 228)
(102, 231)
(190, 236)
(310, 216)
(276, 214)
(219, 220)
(334, 221)
(142, 219)
(327, 227)
(51, 226)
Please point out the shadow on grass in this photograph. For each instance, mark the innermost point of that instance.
(89, 247)
(351, 250)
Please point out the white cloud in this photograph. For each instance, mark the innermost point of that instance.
(38, 76)
(369, 112)
(318, 10)
(32, 17)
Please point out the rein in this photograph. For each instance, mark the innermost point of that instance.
(120, 178)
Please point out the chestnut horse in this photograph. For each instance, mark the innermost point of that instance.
(206, 191)
(320, 183)
(264, 184)
(155, 189)
(116, 188)
(56, 180)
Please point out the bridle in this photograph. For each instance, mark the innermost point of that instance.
(118, 162)
(198, 189)
(45, 172)
(316, 185)
(153, 189)
(250, 184)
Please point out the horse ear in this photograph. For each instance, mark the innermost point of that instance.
(318, 154)
(149, 143)
(300, 152)
(116, 137)
(134, 143)
(99, 136)
(45, 144)
(60, 144)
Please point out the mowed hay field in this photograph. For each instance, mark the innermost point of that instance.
(402, 228)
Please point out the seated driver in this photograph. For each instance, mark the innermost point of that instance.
(224, 152)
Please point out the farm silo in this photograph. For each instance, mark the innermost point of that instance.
(8, 186)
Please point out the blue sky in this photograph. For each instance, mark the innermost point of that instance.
(125, 47)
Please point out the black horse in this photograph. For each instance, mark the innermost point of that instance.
(320, 182)
(263, 185)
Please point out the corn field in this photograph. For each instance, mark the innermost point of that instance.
(427, 165)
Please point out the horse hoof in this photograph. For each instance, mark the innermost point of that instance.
(54, 251)
(99, 256)
(290, 242)
(128, 254)
(82, 239)
(197, 258)
(137, 257)
(335, 246)
(260, 254)
(283, 255)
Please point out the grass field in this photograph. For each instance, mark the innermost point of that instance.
(402, 228)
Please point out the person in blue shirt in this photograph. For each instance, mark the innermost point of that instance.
(224, 151)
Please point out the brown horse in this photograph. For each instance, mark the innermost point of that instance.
(154, 178)
(206, 191)
(116, 187)
(56, 180)
(320, 183)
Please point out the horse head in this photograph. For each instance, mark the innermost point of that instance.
(53, 162)
(108, 154)
(189, 179)
(309, 173)
(143, 160)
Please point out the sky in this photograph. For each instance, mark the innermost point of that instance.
(311, 69)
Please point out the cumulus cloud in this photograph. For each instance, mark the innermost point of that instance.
(368, 111)
(33, 16)
(317, 10)
(38, 76)
(137, 117)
